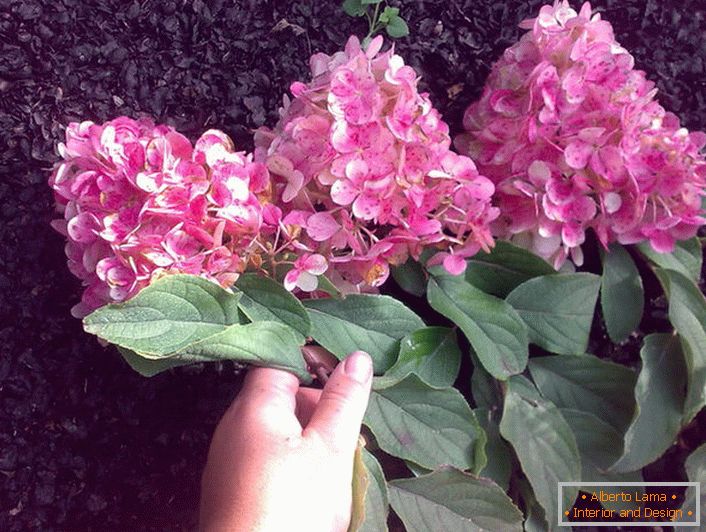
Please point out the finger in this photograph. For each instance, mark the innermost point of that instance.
(307, 399)
(343, 401)
(269, 388)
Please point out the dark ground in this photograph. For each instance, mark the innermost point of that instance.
(85, 443)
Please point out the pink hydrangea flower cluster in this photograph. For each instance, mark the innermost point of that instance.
(573, 138)
(138, 200)
(364, 177)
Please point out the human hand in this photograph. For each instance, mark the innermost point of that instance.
(282, 455)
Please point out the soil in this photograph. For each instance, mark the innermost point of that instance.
(85, 443)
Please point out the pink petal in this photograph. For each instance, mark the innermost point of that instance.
(321, 226)
(315, 264)
(366, 207)
(577, 154)
(454, 264)
(343, 192)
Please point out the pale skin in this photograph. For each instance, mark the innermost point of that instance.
(282, 455)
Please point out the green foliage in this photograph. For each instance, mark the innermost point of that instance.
(429, 426)
(544, 443)
(455, 501)
(535, 421)
(687, 312)
(263, 299)
(622, 295)
(660, 402)
(558, 310)
(504, 269)
(389, 18)
(686, 258)
(374, 324)
(376, 500)
(696, 472)
(431, 353)
(494, 329)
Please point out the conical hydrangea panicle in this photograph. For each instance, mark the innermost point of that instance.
(138, 201)
(573, 138)
(364, 177)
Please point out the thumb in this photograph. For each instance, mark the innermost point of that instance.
(339, 412)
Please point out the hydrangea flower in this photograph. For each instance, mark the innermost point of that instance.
(363, 175)
(138, 200)
(573, 138)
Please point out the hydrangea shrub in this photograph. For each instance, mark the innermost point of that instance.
(364, 176)
(196, 252)
(571, 134)
(140, 201)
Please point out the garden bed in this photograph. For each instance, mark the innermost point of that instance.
(86, 443)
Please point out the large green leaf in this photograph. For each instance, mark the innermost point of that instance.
(544, 444)
(262, 343)
(696, 472)
(410, 277)
(148, 367)
(431, 353)
(166, 316)
(428, 426)
(558, 310)
(496, 332)
(589, 384)
(499, 456)
(659, 393)
(622, 295)
(485, 390)
(600, 445)
(687, 312)
(505, 268)
(264, 299)
(376, 498)
(449, 500)
(685, 259)
(370, 323)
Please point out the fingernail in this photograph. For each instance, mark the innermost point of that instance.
(358, 366)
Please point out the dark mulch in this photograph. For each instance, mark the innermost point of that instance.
(84, 442)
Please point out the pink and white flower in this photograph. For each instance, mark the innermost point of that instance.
(572, 137)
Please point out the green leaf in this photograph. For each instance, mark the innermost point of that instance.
(429, 426)
(505, 268)
(484, 388)
(149, 367)
(432, 354)
(696, 472)
(388, 13)
(659, 393)
(494, 329)
(622, 295)
(261, 343)
(499, 465)
(376, 498)
(410, 277)
(359, 489)
(449, 500)
(544, 444)
(266, 300)
(685, 259)
(354, 8)
(687, 312)
(396, 27)
(166, 316)
(558, 310)
(370, 2)
(370, 323)
(600, 445)
(589, 384)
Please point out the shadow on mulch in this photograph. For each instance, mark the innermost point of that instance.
(84, 442)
